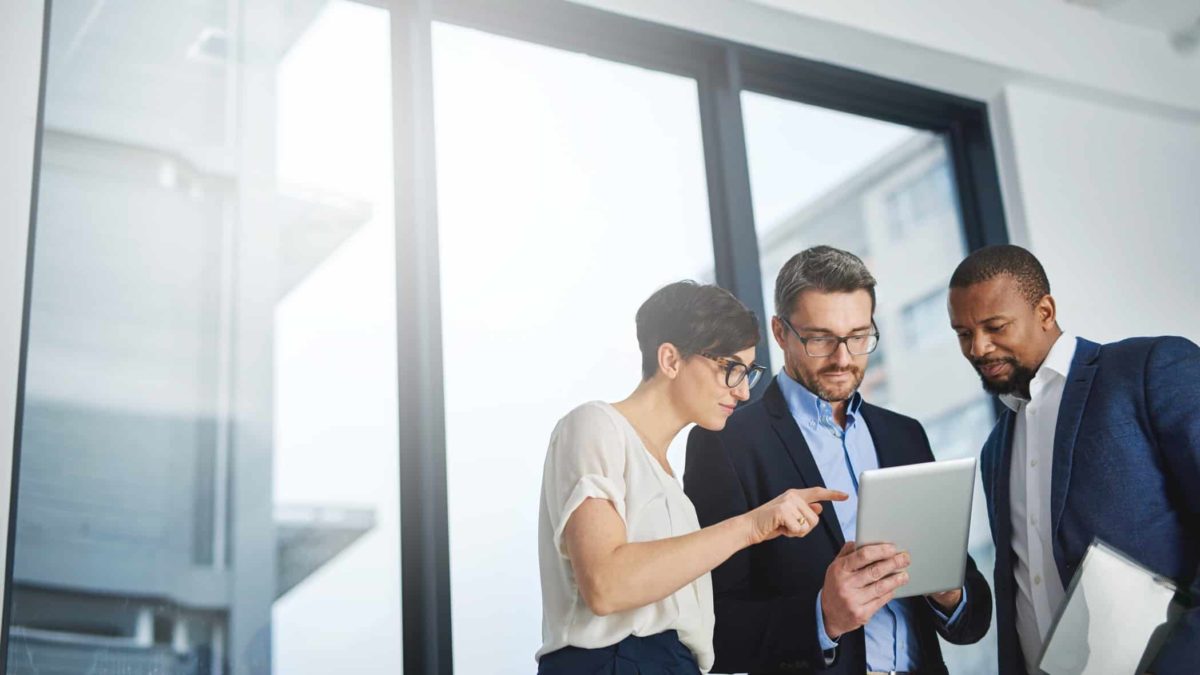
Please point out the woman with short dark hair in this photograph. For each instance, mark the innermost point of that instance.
(624, 562)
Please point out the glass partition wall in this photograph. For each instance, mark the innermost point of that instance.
(209, 479)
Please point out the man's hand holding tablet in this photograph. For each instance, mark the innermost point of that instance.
(921, 509)
(858, 582)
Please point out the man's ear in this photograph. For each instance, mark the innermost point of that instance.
(1047, 312)
(779, 332)
(670, 360)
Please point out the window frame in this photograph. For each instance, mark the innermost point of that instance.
(722, 70)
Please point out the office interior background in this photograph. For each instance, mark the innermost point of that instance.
(292, 292)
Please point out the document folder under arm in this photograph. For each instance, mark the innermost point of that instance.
(1116, 616)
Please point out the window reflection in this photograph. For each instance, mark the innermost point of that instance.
(208, 475)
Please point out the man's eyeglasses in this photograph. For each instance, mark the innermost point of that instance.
(736, 371)
(825, 345)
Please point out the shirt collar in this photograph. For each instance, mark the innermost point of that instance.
(1057, 363)
(1061, 354)
(808, 408)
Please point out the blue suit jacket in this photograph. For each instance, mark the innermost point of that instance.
(766, 595)
(1126, 468)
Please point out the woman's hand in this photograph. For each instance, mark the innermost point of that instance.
(791, 514)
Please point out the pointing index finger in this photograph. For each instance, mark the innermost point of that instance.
(825, 494)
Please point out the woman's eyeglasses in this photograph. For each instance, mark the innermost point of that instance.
(736, 371)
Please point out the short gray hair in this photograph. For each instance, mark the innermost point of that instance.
(821, 268)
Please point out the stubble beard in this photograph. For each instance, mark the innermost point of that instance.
(813, 383)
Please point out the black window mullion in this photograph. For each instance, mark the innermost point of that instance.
(851, 91)
(978, 181)
(731, 209)
(10, 546)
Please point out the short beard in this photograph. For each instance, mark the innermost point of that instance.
(813, 382)
(1017, 382)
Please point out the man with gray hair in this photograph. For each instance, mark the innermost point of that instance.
(818, 603)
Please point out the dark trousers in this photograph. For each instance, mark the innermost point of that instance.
(661, 654)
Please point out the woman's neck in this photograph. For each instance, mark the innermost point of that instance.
(651, 413)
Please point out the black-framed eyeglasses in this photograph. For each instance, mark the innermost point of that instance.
(736, 371)
(819, 346)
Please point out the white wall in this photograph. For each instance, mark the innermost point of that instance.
(1050, 40)
(973, 48)
(1110, 201)
(20, 70)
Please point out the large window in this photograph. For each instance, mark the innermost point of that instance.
(569, 189)
(208, 477)
(265, 295)
(820, 176)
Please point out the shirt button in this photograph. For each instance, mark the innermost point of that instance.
(1033, 520)
(1037, 580)
(1033, 462)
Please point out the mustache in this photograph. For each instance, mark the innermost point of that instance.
(983, 363)
(838, 369)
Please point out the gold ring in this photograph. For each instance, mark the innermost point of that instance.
(803, 522)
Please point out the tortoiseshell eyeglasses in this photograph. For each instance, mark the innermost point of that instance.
(736, 371)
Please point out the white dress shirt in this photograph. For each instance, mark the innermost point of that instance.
(1040, 590)
(595, 452)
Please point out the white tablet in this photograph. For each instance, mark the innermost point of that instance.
(924, 509)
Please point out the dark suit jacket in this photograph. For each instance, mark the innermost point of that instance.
(766, 595)
(1126, 469)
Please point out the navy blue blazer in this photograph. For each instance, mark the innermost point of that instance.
(766, 595)
(1126, 468)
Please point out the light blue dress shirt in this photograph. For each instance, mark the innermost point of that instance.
(841, 455)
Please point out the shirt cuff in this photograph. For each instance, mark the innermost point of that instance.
(937, 611)
(827, 643)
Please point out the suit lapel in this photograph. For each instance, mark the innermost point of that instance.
(886, 450)
(797, 449)
(1070, 412)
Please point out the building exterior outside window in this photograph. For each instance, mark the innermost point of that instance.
(208, 474)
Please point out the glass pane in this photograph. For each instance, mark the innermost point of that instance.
(208, 478)
(569, 189)
(884, 192)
